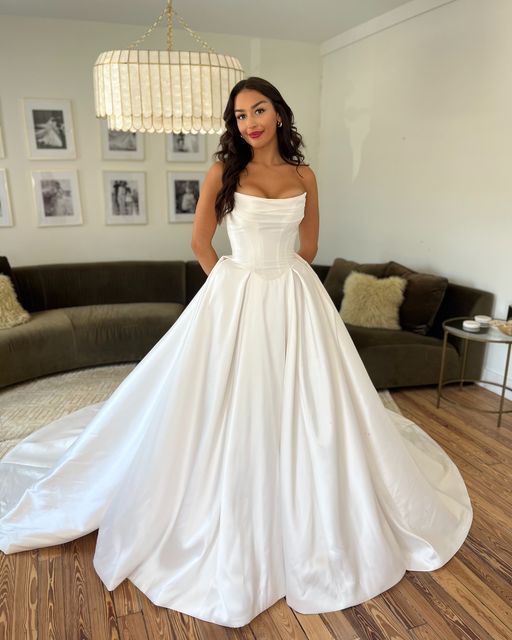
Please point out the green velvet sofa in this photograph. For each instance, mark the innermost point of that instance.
(89, 314)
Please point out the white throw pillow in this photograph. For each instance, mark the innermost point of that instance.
(11, 311)
(372, 302)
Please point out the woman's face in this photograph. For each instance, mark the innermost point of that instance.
(256, 117)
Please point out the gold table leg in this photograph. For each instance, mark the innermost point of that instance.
(441, 372)
(463, 364)
(504, 387)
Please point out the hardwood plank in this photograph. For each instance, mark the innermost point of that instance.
(424, 632)
(132, 627)
(100, 601)
(8, 568)
(316, 626)
(339, 624)
(76, 608)
(185, 627)
(264, 628)
(126, 598)
(452, 612)
(389, 624)
(463, 421)
(158, 624)
(51, 619)
(471, 605)
(26, 596)
(480, 567)
(498, 539)
(403, 607)
(432, 616)
(485, 507)
(211, 631)
(373, 619)
(285, 621)
(480, 592)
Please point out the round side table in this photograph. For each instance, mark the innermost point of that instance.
(453, 326)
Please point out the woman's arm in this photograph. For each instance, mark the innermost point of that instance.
(205, 221)
(309, 227)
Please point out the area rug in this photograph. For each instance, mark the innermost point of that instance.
(30, 405)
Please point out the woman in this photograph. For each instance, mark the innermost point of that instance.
(248, 456)
(48, 134)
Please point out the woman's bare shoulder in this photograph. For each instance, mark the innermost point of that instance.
(217, 168)
(308, 175)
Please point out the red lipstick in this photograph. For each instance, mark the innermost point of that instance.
(255, 134)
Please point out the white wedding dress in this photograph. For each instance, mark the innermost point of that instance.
(247, 457)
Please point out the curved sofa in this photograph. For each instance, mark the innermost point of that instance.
(99, 313)
(90, 314)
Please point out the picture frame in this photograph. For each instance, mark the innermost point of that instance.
(2, 148)
(125, 197)
(49, 129)
(121, 145)
(5, 202)
(183, 188)
(57, 198)
(186, 147)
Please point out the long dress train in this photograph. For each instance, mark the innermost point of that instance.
(247, 457)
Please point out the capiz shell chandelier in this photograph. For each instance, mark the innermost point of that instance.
(164, 91)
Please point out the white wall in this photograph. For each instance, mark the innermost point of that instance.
(416, 149)
(46, 58)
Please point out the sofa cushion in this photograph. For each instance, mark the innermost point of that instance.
(401, 358)
(42, 346)
(5, 267)
(195, 278)
(105, 333)
(11, 311)
(340, 269)
(71, 285)
(422, 299)
(63, 339)
(372, 302)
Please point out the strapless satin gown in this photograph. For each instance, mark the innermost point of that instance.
(247, 457)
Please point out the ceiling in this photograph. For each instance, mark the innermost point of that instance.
(312, 21)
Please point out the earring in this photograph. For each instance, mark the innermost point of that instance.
(279, 123)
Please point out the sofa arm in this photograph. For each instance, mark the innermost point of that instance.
(461, 301)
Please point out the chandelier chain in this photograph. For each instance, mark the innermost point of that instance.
(170, 12)
(149, 30)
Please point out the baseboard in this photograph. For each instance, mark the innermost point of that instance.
(495, 376)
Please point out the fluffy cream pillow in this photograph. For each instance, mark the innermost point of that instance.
(11, 312)
(372, 302)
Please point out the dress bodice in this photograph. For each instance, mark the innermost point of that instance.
(262, 231)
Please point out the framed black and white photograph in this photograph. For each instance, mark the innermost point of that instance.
(186, 147)
(125, 197)
(57, 198)
(5, 203)
(49, 126)
(121, 145)
(183, 193)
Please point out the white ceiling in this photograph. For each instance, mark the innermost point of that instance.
(308, 21)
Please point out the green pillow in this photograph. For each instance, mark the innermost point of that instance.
(422, 299)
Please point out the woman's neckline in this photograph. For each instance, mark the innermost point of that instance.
(250, 195)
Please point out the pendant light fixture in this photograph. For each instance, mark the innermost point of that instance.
(164, 91)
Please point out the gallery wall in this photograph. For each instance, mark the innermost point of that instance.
(42, 58)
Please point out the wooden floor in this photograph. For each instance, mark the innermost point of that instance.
(54, 593)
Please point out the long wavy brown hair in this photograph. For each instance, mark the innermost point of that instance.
(236, 154)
